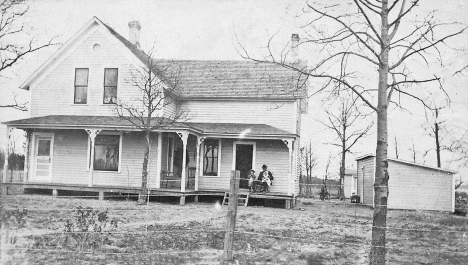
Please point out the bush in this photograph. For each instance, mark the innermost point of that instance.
(461, 203)
(88, 228)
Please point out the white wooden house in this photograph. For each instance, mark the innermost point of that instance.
(243, 115)
(411, 186)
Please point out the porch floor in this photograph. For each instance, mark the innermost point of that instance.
(101, 189)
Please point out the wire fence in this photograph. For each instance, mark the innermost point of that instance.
(156, 234)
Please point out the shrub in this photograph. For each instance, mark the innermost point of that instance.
(88, 228)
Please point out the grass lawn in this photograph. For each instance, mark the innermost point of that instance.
(315, 232)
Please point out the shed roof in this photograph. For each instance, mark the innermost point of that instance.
(409, 163)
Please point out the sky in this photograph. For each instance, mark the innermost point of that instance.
(213, 29)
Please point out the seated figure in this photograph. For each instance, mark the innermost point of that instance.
(266, 178)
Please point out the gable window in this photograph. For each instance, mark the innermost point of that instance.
(81, 85)
(110, 85)
(210, 157)
(106, 152)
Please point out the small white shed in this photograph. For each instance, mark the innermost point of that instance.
(350, 182)
(411, 186)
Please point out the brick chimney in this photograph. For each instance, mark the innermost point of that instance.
(294, 53)
(134, 32)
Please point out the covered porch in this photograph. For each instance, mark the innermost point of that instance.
(186, 159)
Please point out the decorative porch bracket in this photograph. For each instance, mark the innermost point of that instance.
(183, 136)
(197, 170)
(289, 143)
(92, 137)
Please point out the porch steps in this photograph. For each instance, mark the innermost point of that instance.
(242, 199)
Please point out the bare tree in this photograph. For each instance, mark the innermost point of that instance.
(309, 161)
(396, 148)
(158, 83)
(346, 120)
(381, 37)
(16, 43)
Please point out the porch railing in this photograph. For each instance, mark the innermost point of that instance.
(171, 181)
(12, 176)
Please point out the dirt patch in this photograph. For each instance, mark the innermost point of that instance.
(315, 232)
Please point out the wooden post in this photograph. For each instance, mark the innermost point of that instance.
(182, 200)
(92, 136)
(183, 136)
(196, 198)
(54, 193)
(231, 217)
(101, 195)
(159, 166)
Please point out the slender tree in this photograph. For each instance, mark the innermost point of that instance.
(347, 120)
(158, 84)
(384, 40)
(16, 41)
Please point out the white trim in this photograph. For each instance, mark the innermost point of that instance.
(254, 152)
(33, 156)
(120, 152)
(219, 158)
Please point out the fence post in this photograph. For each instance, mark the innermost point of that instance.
(231, 217)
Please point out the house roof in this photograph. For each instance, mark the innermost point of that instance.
(410, 163)
(226, 79)
(114, 122)
(213, 79)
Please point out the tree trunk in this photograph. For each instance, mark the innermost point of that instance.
(343, 164)
(378, 251)
(144, 173)
(436, 134)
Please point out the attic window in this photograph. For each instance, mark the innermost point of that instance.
(96, 48)
(110, 85)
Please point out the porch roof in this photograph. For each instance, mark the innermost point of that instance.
(235, 130)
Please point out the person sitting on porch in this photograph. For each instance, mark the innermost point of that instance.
(266, 177)
(251, 178)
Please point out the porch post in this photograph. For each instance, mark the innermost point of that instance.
(197, 166)
(92, 136)
(27, 157)
(289, 143)
(184, 137)
(158, 166)
(7, 153)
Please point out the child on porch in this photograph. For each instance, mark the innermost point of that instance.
(251, 178)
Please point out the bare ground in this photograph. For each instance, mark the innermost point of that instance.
(315, 232)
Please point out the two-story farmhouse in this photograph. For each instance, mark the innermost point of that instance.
(242, 115)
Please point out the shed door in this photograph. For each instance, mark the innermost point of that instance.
(43, 158)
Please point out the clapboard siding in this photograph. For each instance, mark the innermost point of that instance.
(55, 93)
(413, 187)
(70, 157)
(70, 160)
(276, 114)
(366, 180)
(273, 153)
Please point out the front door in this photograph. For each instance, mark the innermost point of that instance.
(244, 161)
(43, 158)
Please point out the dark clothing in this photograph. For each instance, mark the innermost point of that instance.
(260, 175)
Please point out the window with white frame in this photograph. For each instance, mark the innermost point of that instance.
(81, 86)
(106, 152)
(110, 85)
(210, 157)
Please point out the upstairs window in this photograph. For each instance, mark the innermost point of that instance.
(210, 157)
(81, 85)
(110, 85)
